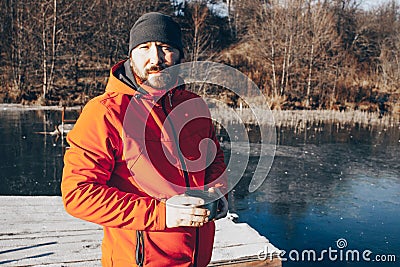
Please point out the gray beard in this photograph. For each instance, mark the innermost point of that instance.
(164, 81)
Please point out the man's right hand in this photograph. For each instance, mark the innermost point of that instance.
(183, 210)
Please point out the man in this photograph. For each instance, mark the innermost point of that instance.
(135, 158)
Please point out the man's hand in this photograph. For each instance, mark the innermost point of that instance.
(222, 204)
(183, 210)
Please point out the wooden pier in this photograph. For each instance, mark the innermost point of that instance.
(36, 231)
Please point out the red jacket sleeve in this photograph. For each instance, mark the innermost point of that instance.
(88, 165)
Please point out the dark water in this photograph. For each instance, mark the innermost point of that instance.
(327, 183)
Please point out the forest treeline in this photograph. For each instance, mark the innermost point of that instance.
(302, 54)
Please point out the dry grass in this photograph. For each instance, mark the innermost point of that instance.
(302, 118)
(354, 117)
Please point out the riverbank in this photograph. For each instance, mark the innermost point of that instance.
(354, 117)
(20, 107)
(290, 118)
(303, 118)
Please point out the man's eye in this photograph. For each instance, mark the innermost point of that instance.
(167, 48)
(144, 47)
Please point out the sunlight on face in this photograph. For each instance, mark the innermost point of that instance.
(149, 59)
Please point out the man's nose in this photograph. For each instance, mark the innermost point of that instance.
(156, 55)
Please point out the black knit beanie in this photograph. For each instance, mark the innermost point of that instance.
(156, 27)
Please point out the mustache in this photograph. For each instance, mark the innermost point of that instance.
(155, 68)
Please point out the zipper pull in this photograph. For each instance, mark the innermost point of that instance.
(170, 98)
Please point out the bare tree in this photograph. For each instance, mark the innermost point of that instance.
(199, 48)
(17, 45)
(49, 45)
(389, 43)
(320, 39)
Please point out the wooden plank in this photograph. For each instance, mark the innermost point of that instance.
(36, 231)
(239, 241)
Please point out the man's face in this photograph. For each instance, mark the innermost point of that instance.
(149, 59)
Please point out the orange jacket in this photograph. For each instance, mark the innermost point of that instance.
(123, 163)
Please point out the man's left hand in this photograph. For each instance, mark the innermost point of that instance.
(222, 204)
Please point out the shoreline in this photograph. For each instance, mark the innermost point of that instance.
(305, 118)
(353, 117)
(21, 107)
(280, 117)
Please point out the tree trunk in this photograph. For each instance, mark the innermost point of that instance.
(44, 63)
(53, 46)
(309, 77)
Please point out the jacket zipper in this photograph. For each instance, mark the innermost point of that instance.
(139, 253)
(196, 251)
(170, 98)
(139, 248)
(180, 155)
(184, 169)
